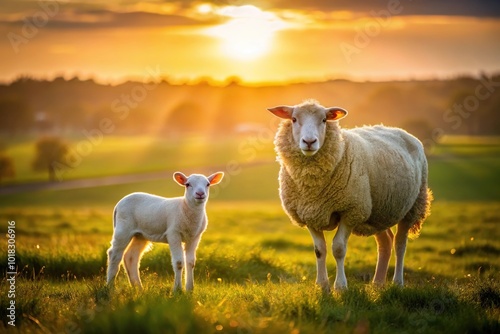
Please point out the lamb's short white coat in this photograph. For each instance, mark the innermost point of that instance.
(141, 218)
(361, 181)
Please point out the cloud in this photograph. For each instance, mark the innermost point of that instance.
(479, 8)
(162, 13)
(67, 15)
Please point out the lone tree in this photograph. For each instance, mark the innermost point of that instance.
(6, 167)
(49, 150)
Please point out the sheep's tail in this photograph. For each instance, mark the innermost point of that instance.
(419, 212)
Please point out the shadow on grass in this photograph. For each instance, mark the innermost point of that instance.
(231, 266)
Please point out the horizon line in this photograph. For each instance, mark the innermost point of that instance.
(239, 81)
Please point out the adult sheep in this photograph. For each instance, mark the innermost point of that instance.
(362, 181)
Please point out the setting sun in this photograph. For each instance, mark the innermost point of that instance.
(249, 32)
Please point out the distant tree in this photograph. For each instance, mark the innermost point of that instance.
(6, 167)
(15, 115)
(185, 117)
(420, 128)
(49, 150)
(423, 130)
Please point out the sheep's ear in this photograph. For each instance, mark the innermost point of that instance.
(215, 178)
(180, 178)
(335, 113)
(282, 111)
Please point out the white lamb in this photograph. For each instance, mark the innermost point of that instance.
(362, 181)
(141, 218)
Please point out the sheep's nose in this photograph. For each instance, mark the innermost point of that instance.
(200, 193)
(308, 141)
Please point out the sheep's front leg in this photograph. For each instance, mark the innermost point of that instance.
(191, 261)
(178, 260)
(339, 249)
(320, 251)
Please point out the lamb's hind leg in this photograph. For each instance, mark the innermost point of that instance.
(132, 259)
(384, 246)
(400, 248)
(115, 255)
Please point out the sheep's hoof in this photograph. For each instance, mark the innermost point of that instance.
(378, 283)
(340, 287)
(326, 289)
(325, 286)
(398, 283)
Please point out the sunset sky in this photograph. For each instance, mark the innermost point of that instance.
(258, 41)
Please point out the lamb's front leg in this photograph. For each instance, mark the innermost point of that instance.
(178, 261)
(320, 251)
(339, 249)
(191, 261)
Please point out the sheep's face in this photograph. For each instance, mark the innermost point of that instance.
(197, 185)
(309, 124)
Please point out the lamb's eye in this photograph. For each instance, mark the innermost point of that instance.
(294, 119)
(208, 184)
(324, 120)
(188, 185)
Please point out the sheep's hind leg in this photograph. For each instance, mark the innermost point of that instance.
(400, 248)
(115, 255)
(339, 248)
(132, 258)
(384, 246)
(320, 251)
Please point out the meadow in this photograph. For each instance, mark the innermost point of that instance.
(255, 271)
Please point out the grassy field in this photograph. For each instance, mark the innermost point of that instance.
(255, 271)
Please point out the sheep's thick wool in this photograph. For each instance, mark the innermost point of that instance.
(371, 177)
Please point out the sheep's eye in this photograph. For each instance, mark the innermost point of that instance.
(324, 120)
(294, 119)
(188, 185)
(208, 184)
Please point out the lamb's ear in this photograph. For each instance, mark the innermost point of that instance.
(180, 178)
(335, 113)
(215, 178)
(282, 111)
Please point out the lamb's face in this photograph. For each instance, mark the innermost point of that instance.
(309, 124)
(197, 185)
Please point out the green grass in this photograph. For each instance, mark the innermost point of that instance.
(262, 280)
(139, 154)
(466, 169)
(255, 271)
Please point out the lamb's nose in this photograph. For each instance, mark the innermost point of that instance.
(309, 142)
(200, 194)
